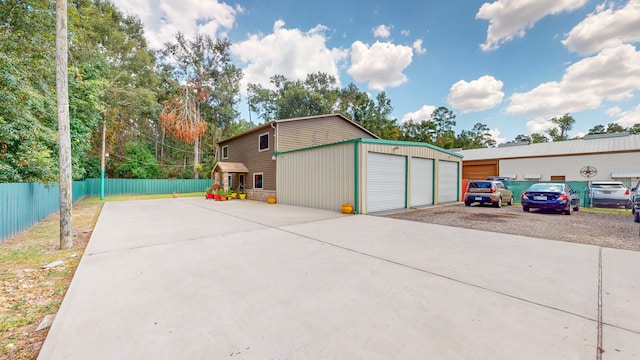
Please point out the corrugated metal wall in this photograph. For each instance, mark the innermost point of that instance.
(321, 178)
(22, 205)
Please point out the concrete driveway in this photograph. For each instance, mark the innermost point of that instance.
(189, 278)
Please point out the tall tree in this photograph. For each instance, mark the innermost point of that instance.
(199, 68)
(444, 120)
(64, 135)
(476, 138)
(563, 124)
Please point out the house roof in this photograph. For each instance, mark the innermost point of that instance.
(231, 167)
(559, 148)
(275, 122)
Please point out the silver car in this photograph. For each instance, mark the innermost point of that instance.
(609, 193)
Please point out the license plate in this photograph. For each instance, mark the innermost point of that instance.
(539, 198)
(479, 198)
(606, 192)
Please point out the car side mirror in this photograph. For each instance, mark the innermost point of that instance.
(634, 189)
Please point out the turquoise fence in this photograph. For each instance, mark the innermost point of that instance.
(23, 205)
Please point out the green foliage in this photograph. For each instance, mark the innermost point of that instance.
(139, 163)
(563, 124)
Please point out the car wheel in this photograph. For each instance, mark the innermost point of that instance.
(466, 203)
(525, 208)
(577, 208)
(499, 203)
(510, 203)
(567, 211)
(636, 218)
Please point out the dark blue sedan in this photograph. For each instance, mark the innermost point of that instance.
(553, 196)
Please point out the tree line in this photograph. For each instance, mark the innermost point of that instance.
(164, 110)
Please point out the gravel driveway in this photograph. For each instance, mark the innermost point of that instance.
(602, 229)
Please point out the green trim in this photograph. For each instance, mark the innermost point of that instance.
(356, 178)
(409, 143)
(101, 184)
(458, 182)
(406, 182)
(377, 142)
(316, 147)
(433, 182)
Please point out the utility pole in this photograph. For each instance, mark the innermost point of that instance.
(64, 135)
(102, 158)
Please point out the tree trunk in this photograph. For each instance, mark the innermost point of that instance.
(64, 135)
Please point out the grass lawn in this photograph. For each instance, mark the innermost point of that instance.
(27, 291)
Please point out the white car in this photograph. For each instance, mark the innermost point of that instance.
(609, 193)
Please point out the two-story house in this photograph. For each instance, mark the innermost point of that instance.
(249, 160)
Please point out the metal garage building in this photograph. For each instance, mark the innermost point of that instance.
(372, 174)
(605, 156)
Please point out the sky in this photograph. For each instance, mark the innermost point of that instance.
(509, 64)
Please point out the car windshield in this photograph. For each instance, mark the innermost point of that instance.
(546, 187)
(607, 186)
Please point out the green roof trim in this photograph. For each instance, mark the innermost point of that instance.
(409, 143)
(377, 142)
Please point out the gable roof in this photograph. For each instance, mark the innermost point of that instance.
(558, 148)
(275, 122)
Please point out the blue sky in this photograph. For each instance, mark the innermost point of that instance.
(509, 64)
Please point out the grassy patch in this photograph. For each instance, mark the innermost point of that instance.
(27, 291)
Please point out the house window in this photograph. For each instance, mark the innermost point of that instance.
(229, 181)
(225, 152)
(257, 181)
(263, 142)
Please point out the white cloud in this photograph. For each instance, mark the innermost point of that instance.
(495, 135)
(510, 18)
(405, 32)
(164, 18)
(288, 52)
(539, 126)
(605, 28)
(477, 95)
(417, 116)
(417, 46)
(630, 118)
(380, 64)
(613, 74)
(382, 31)
(614, 111)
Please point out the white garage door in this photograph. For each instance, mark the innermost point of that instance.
(386, 182)
(447, 181)
(421, 183)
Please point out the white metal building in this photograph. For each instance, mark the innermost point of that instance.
(372, 174)
(602, 157)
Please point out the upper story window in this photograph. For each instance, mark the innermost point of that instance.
(263, 142)
(225, 152)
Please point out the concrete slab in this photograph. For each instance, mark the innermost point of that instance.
(556, 274)
(620, 289)
(273, 281)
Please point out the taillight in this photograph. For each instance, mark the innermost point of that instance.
(523, 196)
(493, 189)
(627, 192)
(565, 197)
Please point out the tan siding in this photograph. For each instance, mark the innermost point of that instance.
(321, 178)
(312, 132)
(244, 149)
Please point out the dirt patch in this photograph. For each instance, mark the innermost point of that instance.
(610, 229)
